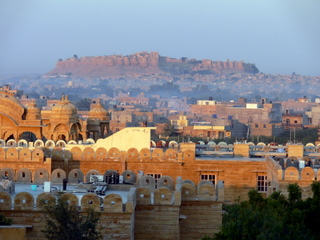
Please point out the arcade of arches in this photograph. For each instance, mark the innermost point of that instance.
(62, 122)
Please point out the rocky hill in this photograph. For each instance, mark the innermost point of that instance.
(145, 63)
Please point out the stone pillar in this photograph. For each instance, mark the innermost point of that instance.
(295, 151)
(241, 150)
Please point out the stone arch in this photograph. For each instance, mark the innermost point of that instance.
(71, 198)
(292, 161)
(308, 161)
(129, 177)
(24, 175)
(38, 143)
(310, 145)
(23, 201)
(37, 155)
(7, 173)
(307, 173)
(25, 154)
(153, 144)
(133, 154)
(2, 154)
(171, 155)
(90, 201)
(291, 173)
(166, 181)
(40, 176)
(5, 201)
(112, 203)
(173, 144)
(12, 154)
(143, 196)
(146, 182)
(114, 153)
(145, 155)
(157, 154)
(11, 143)
(187, 181)
(28, 136)
(23, 143)
(61, 144)
(72, 142)
(91, 172)
(206, 189)
(58, 175)
(2, 143)
(90, 141)
(61, 131)
(74, 131)
(50, 144)
(88, 153)
(163, 196)
(262, 144)
(280, 161)
(188, 155)
(211, 144)
(101, 153)
(75, 176)
(188, 190)
(43, 199)
(77, 153)
(8, 186)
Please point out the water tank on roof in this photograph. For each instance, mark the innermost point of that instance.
(214, 116)
(229, 117)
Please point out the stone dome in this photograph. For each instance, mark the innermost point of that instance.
(64, 108)
(98, 111)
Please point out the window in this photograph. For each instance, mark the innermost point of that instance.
(208, 177)
(156, 177)
(262, 183)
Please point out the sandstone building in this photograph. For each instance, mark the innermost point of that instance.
(61, 122)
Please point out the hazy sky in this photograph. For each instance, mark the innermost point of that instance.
(279, 36)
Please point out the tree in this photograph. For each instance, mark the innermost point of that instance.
(65, 222)
(5, 221)
(169, 130)
(274, 217)
(83, 104)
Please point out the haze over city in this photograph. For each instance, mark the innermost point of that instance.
(278, 36)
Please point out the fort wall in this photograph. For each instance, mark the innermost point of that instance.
(146, 214)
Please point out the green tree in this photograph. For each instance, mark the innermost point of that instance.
(5, 221)
(83, 104)
(66, 222)
(169, 130)
(274, 217)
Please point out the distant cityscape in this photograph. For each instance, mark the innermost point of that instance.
(154, 151)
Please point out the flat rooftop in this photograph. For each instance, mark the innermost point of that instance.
(231, 158)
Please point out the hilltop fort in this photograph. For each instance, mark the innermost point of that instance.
(145, 63)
